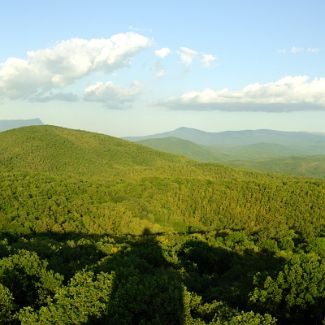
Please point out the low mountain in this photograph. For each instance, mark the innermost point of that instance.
(13, 124)
(67, 181)
(58, 150)
(185, 148)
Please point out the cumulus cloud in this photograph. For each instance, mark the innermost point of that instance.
(113, 96)
(208, 60)
(187, 55)
(290, 93)
(298, 50)
(163, 52)
(61, 65)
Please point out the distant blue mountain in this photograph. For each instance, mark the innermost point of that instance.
(242, 138)
(13, 124)
(295, 153)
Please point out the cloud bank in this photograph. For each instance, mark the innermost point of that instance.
(291, 93)
(53, 68)
(113, 96)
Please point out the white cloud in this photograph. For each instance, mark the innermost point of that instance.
(187, 55)
(113, 96)
(297, 50)
(163, 52)
(66, 62)
(208, 60)
(287, 94)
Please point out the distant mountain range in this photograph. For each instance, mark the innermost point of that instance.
(240, 138)
(297, 153)
(13, 124)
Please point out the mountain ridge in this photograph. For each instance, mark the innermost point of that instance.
(233, 138)
(58, 179)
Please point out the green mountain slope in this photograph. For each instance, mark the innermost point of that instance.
(59, 151)
(56, 179)
(94, 229)
(308, 166)
(185, 148)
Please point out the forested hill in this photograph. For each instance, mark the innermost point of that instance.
(98, 230)
(57, 150)
(46, 170)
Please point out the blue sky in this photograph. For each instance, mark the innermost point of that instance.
(139, 67)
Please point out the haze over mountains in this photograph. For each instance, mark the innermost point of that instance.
(12, 124)
(296, 153)
(244, 138)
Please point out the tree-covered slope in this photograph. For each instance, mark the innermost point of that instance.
(67, 180)
(97, 230)
(308, 166)
(58, 151)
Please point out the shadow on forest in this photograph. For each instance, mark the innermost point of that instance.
(147, 288)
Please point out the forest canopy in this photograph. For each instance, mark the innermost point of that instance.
(98, 230)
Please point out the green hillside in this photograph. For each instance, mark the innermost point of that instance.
(308, 166)
(60, 151)
(53, 168)
(98, 230)
(185, 148)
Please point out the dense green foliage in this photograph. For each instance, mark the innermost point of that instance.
(199, 278)
(97, 230)
(84, 182)
(308, 166)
